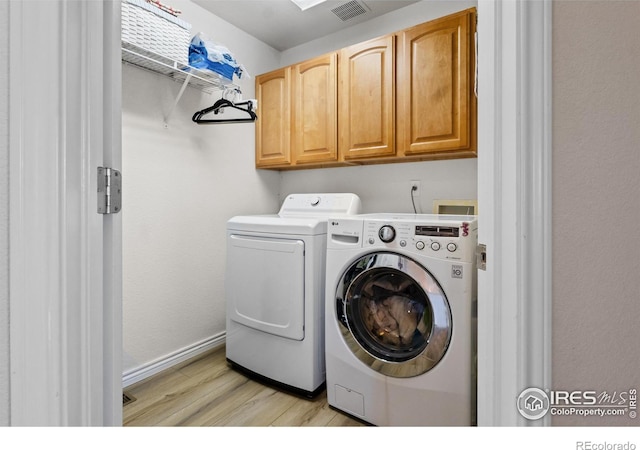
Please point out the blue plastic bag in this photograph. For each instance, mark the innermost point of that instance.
(206, 54)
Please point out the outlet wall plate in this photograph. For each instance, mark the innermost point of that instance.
(416, 183)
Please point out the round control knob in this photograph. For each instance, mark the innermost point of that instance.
(451, 247)
(387, 233)
(435, 246)
(403, 243)
(315, 201)
(420, 245)
(371, 241)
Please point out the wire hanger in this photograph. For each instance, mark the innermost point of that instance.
(219, 106)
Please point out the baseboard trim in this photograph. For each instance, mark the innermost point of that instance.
(166, 362)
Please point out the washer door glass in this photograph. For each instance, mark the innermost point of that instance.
(393, 314)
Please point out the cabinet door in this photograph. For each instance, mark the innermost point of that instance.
(273, 133)
(314, 96)
(436, 99)
(367, 99)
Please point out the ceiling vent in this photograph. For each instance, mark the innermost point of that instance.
(349, 10)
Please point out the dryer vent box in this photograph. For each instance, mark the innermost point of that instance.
(458, 207)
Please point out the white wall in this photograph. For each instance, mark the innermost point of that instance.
(385, 188)
(596, 208)
(181, 184)
(4, 214)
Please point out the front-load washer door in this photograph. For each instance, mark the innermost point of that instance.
(265, 284)
(393, 314)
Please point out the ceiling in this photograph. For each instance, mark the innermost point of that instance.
(282, 25)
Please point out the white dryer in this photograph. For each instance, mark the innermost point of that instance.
(400, 327)
(274, 287)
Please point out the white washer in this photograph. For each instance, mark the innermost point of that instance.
(400, 326)
(274, 289)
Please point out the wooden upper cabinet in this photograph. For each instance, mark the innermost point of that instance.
(273, 127)
(436, 110)
(314, 110)
(367, 99)
(407, 96)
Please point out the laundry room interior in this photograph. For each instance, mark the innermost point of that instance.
(185, 181)
(117, 312)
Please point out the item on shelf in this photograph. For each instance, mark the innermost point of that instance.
(155, 30)
(169, 9)
(207, 54)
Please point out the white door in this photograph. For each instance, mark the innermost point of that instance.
(65, 258)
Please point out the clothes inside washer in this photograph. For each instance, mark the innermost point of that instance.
(394, 320)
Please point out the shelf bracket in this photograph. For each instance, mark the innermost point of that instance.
(175, 103)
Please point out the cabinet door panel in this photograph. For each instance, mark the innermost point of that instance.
(436, 105)
(314, 110)
(367, 99)
(273, 132)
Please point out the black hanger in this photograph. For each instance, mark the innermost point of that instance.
(219, 106)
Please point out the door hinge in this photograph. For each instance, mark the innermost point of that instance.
(481, 257)
(109, 190)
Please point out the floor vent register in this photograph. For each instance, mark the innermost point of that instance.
(127, 398)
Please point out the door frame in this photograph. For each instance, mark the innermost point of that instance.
(66, 293)
(514, 195)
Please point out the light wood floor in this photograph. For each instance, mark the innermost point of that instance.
(205, 391)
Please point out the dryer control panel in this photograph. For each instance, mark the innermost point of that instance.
(320, 204)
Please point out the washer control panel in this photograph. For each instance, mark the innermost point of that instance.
(424, 235)
(387, 233)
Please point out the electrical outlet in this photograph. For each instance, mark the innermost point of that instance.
(415, 188)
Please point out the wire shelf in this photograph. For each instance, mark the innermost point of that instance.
(200, 79)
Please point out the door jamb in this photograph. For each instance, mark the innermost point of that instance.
(514, 195)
